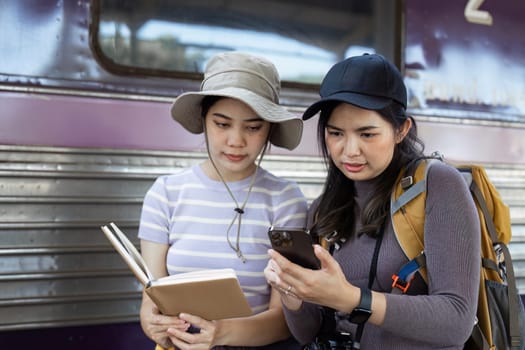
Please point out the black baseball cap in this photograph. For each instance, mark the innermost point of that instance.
(368, 81)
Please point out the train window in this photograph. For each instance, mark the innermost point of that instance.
(302, 37)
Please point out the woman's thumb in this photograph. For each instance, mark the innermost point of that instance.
(323, 255)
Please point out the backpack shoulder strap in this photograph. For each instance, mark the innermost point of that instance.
(407, 210)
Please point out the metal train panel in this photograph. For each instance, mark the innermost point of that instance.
(56, 267)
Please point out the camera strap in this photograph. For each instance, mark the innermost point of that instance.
(371, 277)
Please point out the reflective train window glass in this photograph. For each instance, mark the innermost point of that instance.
(303, 38)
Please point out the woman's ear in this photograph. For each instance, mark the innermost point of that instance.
(403, 130)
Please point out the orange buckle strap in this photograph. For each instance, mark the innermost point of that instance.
(400, 283)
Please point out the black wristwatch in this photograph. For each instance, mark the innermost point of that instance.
(363, 311)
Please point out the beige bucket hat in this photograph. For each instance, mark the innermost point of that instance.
(250, 79)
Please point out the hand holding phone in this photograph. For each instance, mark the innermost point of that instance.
(295, 244)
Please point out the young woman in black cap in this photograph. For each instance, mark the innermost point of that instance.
(367, 139)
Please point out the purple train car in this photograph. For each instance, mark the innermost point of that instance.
(85, 91)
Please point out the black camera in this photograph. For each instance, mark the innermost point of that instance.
(281, 238)
(336, 341)
(295, 244)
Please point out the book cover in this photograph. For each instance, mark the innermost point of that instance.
(211, 294)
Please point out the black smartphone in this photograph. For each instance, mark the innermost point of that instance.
(295, 244)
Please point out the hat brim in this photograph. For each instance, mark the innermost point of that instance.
(286, 133)
(359, 100)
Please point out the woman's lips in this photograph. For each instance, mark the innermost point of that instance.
(353, 167)
(234, 157)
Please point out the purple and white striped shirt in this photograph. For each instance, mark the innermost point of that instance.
(191, 213)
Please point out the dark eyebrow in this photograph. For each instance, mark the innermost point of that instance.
(367, 128)
(361, 129)
(254, 119)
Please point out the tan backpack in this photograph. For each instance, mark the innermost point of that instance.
(500, 316)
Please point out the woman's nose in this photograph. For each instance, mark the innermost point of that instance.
(236, 138)
(351, 147)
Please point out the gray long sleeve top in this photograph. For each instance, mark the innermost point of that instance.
(440, 316)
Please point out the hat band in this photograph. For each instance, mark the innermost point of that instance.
(244, 79)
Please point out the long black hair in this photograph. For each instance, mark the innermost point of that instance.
(335, 212)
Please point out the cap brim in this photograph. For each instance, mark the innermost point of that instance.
(288, 129)
(359, 100)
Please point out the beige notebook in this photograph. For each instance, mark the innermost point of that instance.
(210, 294)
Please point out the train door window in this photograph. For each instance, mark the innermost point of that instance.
(302, 37)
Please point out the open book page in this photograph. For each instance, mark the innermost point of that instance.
(129, 253)
(196, 276)
(212, 294)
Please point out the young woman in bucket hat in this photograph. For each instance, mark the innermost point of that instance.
(367, 139)
(216, 214)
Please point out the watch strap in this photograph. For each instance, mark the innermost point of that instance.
(365, 301)
(363, 311)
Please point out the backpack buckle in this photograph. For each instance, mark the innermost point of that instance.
(401, 283)
(407, 181)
